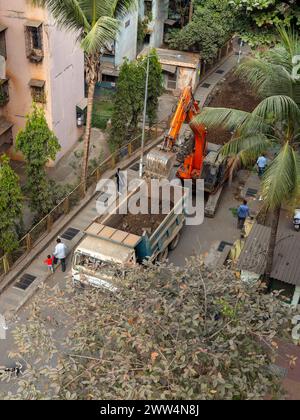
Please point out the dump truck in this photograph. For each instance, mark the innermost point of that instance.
(115, 244)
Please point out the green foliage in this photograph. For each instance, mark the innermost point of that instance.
(141, 31)
(169, 333)
(269, 12)
(38, 144)
(10, 206)
(102, 110)
(129, 98)
(212, 25)
(260, 17)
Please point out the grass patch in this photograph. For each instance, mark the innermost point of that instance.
(103, 109)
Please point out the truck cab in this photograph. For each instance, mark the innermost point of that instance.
(100, 260)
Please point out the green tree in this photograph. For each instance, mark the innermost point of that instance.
(169, 333)
(38, 145)
(10, 206)
(259, 18)
(96, 23)
(129, 98)
(212, 25)
(275, 122)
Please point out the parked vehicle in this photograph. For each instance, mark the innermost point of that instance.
(112, 246)
(296, 220)
(16, 369)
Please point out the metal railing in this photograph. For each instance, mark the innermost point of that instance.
(72, 199)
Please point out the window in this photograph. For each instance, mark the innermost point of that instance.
(127, 23)
(148, 9)
(4, 95)
(171, 81)
(34, 41)
(3, 41)
(38, 90)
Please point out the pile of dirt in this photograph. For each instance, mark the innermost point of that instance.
(232, 93)
(138, 223)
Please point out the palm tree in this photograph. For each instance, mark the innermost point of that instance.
(96, 23)
(274, 123)
(271, 73)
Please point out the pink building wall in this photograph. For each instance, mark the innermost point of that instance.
(62, 69)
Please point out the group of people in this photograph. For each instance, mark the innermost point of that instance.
(59, 254)
(243, 211)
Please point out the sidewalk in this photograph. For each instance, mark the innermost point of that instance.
(207, 85)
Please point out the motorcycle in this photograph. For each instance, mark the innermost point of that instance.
(16, 370)
(296, 220)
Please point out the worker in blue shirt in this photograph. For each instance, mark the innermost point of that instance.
(243, 213)
(261, 164)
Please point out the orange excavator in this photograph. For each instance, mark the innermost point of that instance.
(160, 160)
(202, 160)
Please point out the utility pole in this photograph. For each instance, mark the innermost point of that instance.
(144, 119)
(240, 51)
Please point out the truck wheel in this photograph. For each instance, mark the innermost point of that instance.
(163, 256)
(174, 243)
(77, 284)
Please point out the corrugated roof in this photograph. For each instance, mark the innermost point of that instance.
(253, 257)
(286, 266)
(169, 69)
(175, 58)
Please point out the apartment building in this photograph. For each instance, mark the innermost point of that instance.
(40, 63)
(151, 16)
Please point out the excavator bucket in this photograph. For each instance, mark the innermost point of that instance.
(159, 163)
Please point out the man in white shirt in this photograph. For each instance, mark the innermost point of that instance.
(261, 164)
(60, 253)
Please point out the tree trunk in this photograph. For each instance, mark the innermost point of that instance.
(92, 67)
(272, 243)
(191, 10)
(87, 133)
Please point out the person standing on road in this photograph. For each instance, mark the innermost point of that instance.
(118, 176)
(261, 164)
(60, 253)
(243, 213)
(120, 181)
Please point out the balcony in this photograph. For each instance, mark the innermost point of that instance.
(37, 88)
(34, 41)
(4, 93)
(3, 41)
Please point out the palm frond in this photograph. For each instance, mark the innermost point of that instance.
(244, 124)
(278, 108)
(281, 179)
(104, 31)
(221, 117)
(122, 7)
(289, 40)
(267, 79)
(67, 14)
(254, 144)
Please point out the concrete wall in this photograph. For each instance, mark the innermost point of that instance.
(66, 75)
(126, 44)
(160, 14)
(62, 69)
